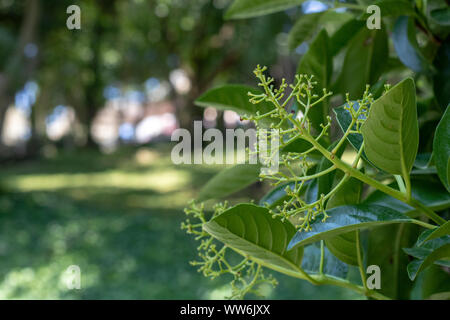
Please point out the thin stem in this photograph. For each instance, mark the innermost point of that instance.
(408, 187)
(351, 170)
(344, 137)
(316, 175)
(430, 213)
(322, 256)
(360, 262)
(372, 182)
(347, 284)
(401, 184)
(316, 279)
(423, 224)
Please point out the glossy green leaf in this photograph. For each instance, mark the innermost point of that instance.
(384, 249)
(391, 131)
(343, 246)
(435, 285)
(325, 182)
(364, 62)
(435, 256)
(349, 193)
(312, 192)
(318, 62)
(441, 78)
(344, 34)
(230, 180)
(435, 251)
(389, 8)
(423, 160)
(303, 29)
(331, 265)
(441, 16)
(298, 145)
(428, 192)
(252, 231)
(276, 196)
(431, 234)
(241, 9)
(377, 88)
(344, 119)
(344, 219)
(441, 149)
(405, 44)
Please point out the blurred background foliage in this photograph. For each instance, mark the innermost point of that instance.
(85, 120)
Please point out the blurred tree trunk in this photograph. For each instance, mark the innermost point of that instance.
(93, 89)
(18, 68)
(104, 24)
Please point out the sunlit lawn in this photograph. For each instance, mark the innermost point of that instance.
(118, 218)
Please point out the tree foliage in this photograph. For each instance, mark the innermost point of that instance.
(377, 209)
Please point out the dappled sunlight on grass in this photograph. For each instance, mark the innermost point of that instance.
(118, 218)
(161, 181)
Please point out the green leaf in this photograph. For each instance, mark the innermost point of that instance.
(423, 160)
(391, 131)
(343, 247)
(241, 9)
(431, 234)
(435, 284)
(349, 193)
(377, 88)
(344, 34)
(345, 219)
(435, 251)
(441, 16)
(417, 266)
(233, 97)
(331, 265)
(312, 192)
(364, 62)
(303, 29)
(389, 8)
(405, 44)
(325, 182)
(429, 193)
(298, 146)
(344, 119)
(441, 79)
(318, 62)
(277, 195)
(384, 249)
(252, 231)
(230, 180)
(441, 149)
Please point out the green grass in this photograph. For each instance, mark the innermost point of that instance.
(118, 218)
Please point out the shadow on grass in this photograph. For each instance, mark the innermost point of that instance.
(120, 225)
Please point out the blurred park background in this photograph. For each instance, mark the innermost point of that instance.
(85, 123)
